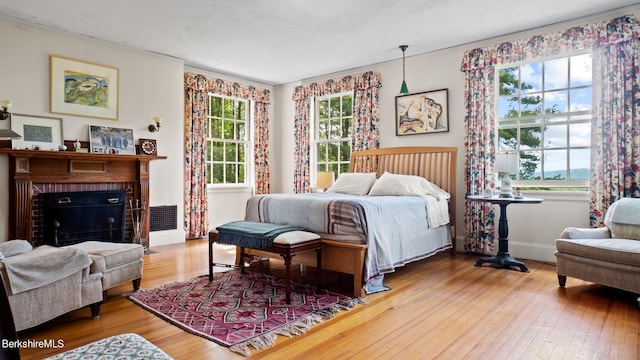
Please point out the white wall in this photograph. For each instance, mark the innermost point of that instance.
(149, 85)
(532, 228)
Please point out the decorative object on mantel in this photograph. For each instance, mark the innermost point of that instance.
(110, 140)
(422, 113)
(148, 147)
(155, 127)
(5, 104)
(83, 89)
(38, 132)
(403, 89)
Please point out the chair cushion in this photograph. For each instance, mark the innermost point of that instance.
(15, 247)
(622, 251)
(114, 254)
(295, 237)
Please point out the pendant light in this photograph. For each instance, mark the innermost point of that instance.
(403, 88)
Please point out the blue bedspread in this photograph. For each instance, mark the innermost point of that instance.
(396, 228)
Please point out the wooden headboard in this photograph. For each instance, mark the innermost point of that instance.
(436, 164)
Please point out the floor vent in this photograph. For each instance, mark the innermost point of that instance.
(163, 218)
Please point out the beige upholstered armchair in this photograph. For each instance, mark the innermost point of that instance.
(46, 282)
(609, 255)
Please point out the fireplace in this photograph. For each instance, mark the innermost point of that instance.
(73, 217)
(33, 173)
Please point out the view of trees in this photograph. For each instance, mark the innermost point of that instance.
(226, 141)
(333, 140)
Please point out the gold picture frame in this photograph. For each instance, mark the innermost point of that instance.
(422, 113)
(84, 89)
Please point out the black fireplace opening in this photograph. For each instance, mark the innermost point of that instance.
(74, 217)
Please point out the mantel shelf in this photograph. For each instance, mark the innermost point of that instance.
(72, 155)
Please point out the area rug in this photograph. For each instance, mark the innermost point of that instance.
(240, 310)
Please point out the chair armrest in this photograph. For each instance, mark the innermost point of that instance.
(585, 233)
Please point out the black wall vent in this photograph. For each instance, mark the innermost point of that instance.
(163, 218)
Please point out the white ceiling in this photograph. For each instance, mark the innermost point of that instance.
(280, 41)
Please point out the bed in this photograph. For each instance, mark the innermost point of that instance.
(355, 240)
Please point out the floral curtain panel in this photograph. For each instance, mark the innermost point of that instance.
(197, 87)
(615, 84)
(366, 122)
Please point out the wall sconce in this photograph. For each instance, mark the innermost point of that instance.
(156, 125)
(5, 105)
(403, 88)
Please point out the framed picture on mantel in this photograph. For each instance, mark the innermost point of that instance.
(110, 140)
(38, 132)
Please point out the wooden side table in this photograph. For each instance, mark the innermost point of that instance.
(503, 259)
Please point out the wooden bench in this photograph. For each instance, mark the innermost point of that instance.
(286, 245)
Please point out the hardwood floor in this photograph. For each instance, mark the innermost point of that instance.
(439, 308)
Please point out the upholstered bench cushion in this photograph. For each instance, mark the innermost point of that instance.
(108, 255)
(295, 237)
(622, 251)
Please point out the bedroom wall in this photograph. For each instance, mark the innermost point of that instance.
(150, 85)
(533, 228)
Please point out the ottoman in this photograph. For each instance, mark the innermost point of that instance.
(118, 262)
(287, 244)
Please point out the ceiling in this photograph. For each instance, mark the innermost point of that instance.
(280, 41)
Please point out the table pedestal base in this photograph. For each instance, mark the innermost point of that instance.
(504, 261)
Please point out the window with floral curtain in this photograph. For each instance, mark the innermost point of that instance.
(365, 126)
(615, 155)
(197, 87)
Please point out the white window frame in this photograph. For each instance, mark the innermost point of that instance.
(316, 130)
(586, 115)
(248, 142)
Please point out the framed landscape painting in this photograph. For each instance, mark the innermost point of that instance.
(83, 89)
(422, 113)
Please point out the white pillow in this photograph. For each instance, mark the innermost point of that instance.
(410, 185)
(353, 183)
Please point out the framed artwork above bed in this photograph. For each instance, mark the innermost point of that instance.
(422, 113)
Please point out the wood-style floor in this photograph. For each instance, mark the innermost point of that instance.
(439, 308)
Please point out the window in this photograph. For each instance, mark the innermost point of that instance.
(332, 138)
(227, 140)
(544, 115)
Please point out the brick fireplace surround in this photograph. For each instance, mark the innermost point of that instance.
(32, 172)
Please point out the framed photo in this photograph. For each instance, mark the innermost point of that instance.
(38, 132)
(422, 113)
(83, 89)
(109, 140)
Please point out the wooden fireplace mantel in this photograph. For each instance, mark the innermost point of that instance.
(29, 167)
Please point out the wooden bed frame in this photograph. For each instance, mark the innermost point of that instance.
(437, 164)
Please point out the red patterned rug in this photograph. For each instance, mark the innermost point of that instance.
(241, 310)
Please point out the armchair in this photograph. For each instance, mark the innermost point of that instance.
(609, 255)
(46, 282)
